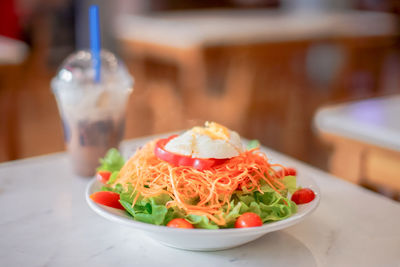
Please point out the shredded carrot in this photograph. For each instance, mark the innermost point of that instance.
(212, 188)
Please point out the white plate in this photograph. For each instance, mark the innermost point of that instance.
(203, 239)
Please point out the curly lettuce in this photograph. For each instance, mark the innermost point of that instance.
(269, 205)
(112, 161)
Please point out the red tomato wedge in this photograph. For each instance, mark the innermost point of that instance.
(180, 223)
(103, 176)
(303, 196)
(286, 172)
(107, 198)
(181, 160)
(248, 219)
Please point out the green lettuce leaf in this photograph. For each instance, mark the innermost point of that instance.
(149, 210)
(270, 206)
(117, 188)
(146, 212)
(235, 211)
(112, 161)
(113, 177)
(199, 221)
(253, 144)
(129, 195)
(290, 183)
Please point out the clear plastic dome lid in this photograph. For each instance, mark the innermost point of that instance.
(77, 72)
(75, 87)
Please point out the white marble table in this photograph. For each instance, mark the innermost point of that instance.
(46, 222)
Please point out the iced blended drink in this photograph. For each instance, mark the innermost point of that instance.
(92, 112)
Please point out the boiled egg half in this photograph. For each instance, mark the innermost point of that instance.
(211, 141)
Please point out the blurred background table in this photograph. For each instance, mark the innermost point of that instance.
(50, 224)
(366, 140)
(12, 52)
(261, 72)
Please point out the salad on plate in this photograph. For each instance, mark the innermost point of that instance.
(203, 178)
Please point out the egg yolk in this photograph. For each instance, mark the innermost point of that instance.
(213, 130)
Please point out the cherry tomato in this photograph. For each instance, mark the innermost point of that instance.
(303, 196)
(286, 172)
(107, 198)
(248, 219)
(180, 223)
(103, 176)
(181, 160)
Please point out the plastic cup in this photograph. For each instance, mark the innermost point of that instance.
(93, 113)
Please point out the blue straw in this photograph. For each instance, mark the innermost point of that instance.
(95, 39)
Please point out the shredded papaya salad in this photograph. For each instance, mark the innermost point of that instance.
(203, 178)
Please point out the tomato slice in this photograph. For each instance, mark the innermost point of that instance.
(180, 223)
(103, 176)
(107, 198)
(248, 219)
(303, 196)
(182, 160)
(286, 172)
